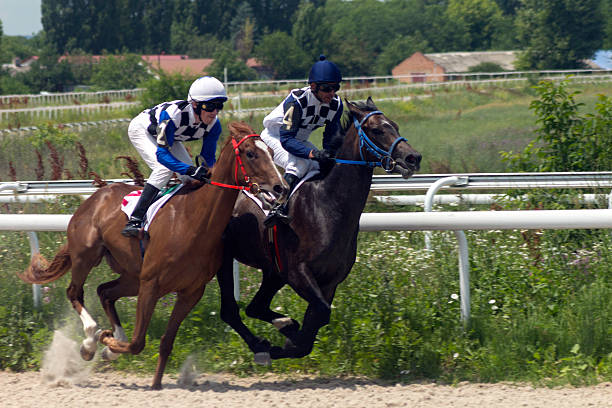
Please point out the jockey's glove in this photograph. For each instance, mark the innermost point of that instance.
(200, 173)
(321, 156)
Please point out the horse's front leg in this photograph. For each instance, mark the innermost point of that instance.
(147, 298)
(108, 293)
(184, 303)
(317, 315)
(230, 313)
(259, 308)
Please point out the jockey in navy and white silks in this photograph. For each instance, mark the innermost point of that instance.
(158, 134)
(289, 125)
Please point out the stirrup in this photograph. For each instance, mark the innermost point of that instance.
(132, 228)
(274, 217)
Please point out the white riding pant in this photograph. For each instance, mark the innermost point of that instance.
(292, 164)
(146, 145)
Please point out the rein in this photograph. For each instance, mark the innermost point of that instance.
(386, 161)
(253, 188)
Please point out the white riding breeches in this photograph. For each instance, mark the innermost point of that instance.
(292, 164)
(146, 145)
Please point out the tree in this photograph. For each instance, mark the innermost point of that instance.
(476, 22)
(280, 52)
(566, 140)
(119, 72)
(308, 32)
(398, 50)
(183, 27)
(558, 34)
(237, 70)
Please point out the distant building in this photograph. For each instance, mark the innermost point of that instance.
(172, 63)
(18, 65)
(436, 66)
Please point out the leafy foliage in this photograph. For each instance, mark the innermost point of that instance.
(565, 139)
(558, 34)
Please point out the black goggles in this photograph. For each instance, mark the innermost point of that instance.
(211, 106)
(329, 87)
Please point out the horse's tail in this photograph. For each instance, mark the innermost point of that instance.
(40, 271)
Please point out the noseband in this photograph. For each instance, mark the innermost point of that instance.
(386, 161)
(253, 188)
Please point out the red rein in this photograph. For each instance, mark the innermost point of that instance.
(251, 187)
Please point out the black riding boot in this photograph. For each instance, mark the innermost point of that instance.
(134, 224)
(279, 213)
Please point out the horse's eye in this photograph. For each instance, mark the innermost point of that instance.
(250, 155)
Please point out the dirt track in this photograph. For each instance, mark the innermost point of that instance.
(67, 381)
(111, 389)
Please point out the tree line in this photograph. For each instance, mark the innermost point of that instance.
(364, 37)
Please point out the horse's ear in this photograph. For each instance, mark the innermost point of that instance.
(370, 103)
(353, 109)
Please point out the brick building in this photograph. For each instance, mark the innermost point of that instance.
(437, 66)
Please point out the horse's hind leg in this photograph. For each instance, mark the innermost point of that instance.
(108, 293)
(80, 270)
(184, 303)
(230, 314)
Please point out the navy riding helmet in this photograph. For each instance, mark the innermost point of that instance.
(324, 71)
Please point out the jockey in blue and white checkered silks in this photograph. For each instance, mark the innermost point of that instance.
(289, 125)
(158, 134)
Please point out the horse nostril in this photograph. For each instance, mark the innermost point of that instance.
(414, 159)
(279, 189)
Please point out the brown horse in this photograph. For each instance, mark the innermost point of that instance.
(183, 252)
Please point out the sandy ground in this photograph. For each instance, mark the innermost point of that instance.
(66, 381)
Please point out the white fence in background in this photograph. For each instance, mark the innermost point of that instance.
(242, 94)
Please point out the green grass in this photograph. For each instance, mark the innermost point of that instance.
(541, 300)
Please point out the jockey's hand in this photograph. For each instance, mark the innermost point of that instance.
(325, 159)
(200, 173)
(321, 156)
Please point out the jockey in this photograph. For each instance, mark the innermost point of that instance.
(289, 125)
(157, 134)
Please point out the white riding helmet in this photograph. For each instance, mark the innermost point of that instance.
(205, 89)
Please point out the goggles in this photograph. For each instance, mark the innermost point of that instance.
(329, 87)
(211, 106)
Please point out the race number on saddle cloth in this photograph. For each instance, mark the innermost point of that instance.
(129, 203)
(311, 174)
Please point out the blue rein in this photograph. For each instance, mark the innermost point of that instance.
(386, 162)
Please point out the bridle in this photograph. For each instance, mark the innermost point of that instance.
(253, 188)
(386, 161)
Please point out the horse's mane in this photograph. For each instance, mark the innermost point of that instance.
(347, 118)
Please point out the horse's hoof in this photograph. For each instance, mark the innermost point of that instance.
(104, 335)
(277, 352)
(86, 354)
(108, 355)
(263, 359)
(97, 335)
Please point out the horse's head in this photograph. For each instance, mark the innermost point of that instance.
(255, 167)
(380, 141)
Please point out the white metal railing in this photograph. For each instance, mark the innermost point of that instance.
(418, 182)
(454, 221)
(69, 98)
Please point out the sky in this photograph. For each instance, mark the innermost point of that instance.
(20, 17)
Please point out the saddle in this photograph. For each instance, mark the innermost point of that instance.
(129, 202)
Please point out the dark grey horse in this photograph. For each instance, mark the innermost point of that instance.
(316, 251)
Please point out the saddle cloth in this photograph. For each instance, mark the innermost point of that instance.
(308, 176)
(129, 203)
